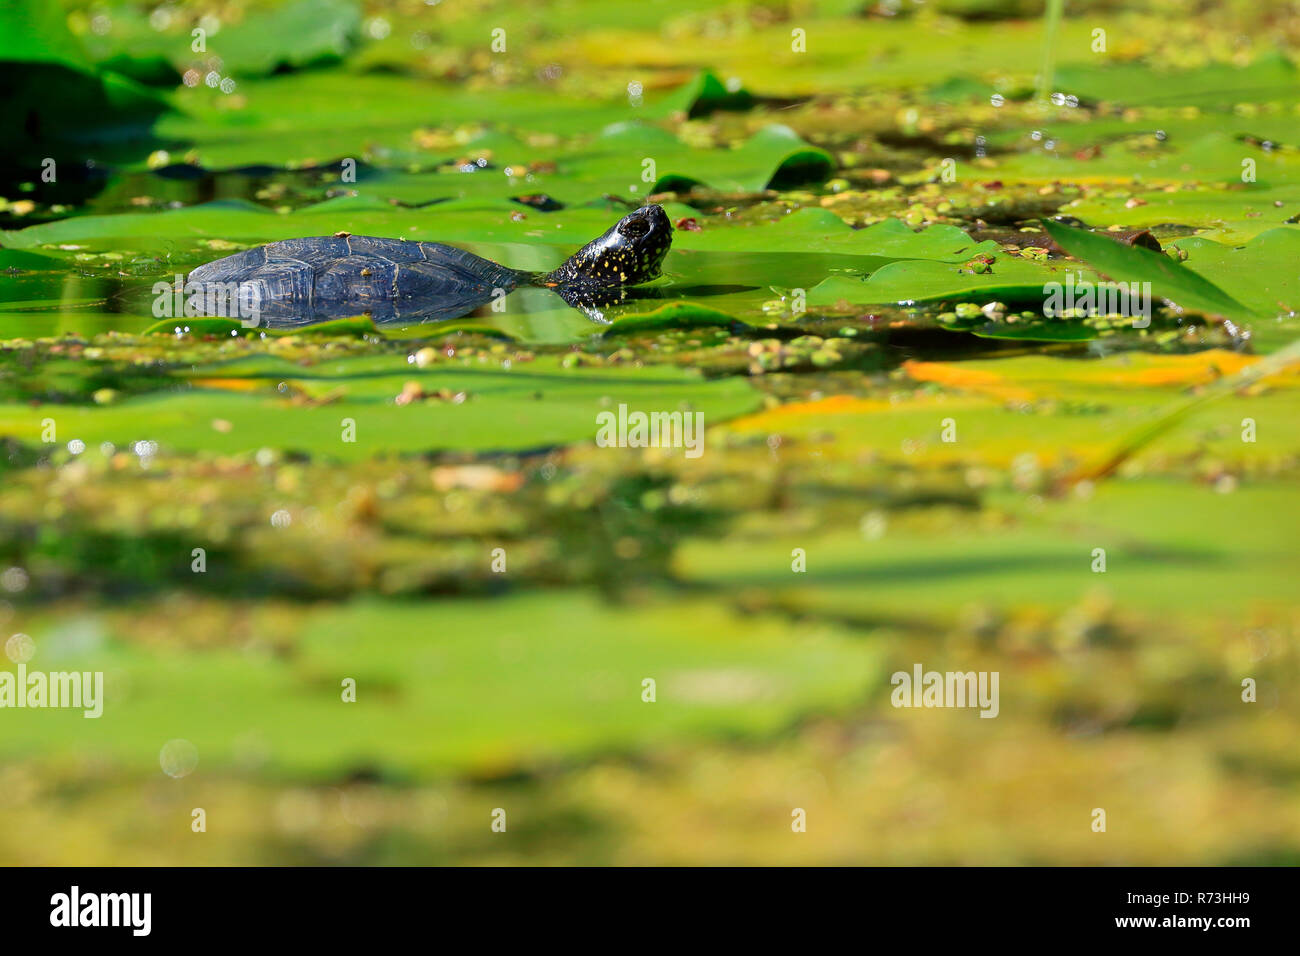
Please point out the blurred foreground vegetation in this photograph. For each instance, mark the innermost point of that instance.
(831, 302)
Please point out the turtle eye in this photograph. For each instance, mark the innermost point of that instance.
(633, 228)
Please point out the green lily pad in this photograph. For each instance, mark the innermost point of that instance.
(203, 325)
(537, 404)
(298, 34)
(28, 261)
(198, 325)
(291, 35)
(818, 230)
(41, 63)
(1123, 263)
(703, 95)
(1043, 560)
(469, 686)
(629, 160)
(35, 32)
(1011, 278)
(355, 327)
(1264, 274)
(675, 315)
(1272, 76)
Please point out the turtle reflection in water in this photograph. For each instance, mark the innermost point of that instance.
(300, 281)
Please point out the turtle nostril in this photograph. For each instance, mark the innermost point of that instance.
(634, 228)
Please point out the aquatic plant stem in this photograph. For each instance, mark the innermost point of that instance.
(1047, 72)
(1141, 437)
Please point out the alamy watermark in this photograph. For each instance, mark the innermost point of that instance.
(75, 908)
(922, 688)
(1131, 299)
(226, 300)
(58, 689)
(651, 430)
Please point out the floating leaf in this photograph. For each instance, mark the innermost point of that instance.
(703, 95)
(1263, 274)
(532, 405)
(1010, 278)
(1167, 277)
(675, 315)
(469, 701)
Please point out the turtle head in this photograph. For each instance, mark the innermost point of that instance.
(630, 252)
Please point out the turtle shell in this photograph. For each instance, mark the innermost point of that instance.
(300, 281)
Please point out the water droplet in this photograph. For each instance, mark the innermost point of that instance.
(20, 648)
(178, 758)
(14, 580)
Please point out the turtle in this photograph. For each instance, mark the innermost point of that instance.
(300, 281)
